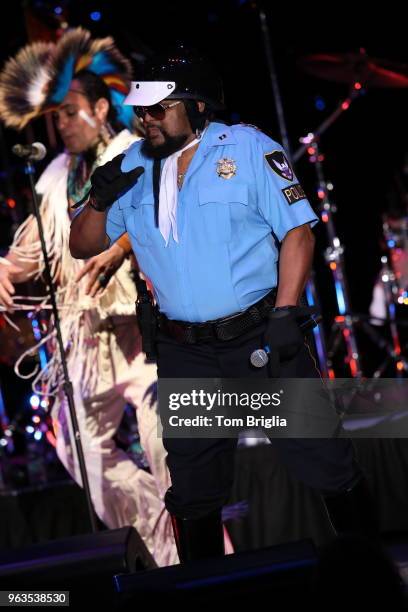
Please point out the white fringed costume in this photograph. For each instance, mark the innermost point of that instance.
(107, 370)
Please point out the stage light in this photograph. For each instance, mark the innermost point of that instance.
(34, 401)
(353, 367)
(340, 297)
(320, 104)
(95, 16)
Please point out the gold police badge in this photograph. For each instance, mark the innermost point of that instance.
(226, 168)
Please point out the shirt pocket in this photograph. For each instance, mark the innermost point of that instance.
(139, 216)
(223, 209)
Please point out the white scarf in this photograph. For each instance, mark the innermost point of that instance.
(168, 195)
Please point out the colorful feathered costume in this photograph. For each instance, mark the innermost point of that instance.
(105, 362)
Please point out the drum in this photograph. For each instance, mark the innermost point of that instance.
(396, 237)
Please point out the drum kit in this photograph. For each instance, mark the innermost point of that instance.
(361, 73)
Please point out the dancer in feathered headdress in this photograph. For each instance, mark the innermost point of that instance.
(84, 81)
(39, 77)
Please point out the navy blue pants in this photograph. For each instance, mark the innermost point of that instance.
(202, 470)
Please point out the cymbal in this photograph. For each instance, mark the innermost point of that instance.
(356, 67)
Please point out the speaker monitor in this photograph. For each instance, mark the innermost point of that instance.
(86, 561)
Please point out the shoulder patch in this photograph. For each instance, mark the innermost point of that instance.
(279, 163)
(294, 193)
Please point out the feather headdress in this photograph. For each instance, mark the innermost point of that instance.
(23, 84)
(39, 77)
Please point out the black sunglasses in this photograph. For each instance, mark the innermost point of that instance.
(157, 111)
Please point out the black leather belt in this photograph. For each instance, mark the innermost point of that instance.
(227, 328)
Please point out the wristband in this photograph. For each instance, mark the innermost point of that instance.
(278, 308)
(125, 244)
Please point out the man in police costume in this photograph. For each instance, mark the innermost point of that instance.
(222, 228)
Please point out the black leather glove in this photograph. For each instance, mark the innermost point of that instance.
(109, 182)
(283, 335)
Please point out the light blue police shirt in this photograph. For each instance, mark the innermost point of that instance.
(238, 198)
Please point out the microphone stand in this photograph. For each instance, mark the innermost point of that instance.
(67, 386)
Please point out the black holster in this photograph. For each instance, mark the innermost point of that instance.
(147, 318)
